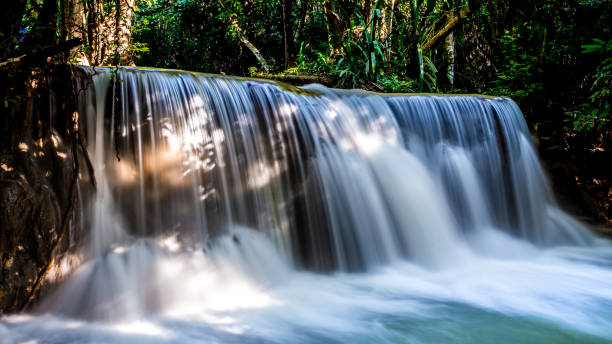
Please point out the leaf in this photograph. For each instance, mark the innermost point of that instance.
(373, 59)
(339, 63)
(379, 51)
(590, 48)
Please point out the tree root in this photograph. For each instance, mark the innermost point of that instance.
(90, 167)
(66, 219)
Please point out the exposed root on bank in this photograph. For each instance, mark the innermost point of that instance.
(68, 214)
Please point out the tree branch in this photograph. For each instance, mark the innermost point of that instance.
(245, 41)
(40, 56)
(447, 28)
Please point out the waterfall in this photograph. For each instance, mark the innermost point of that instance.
(338, 179)
(222, 196)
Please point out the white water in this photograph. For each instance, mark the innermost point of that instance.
(560, 296)
(231, 194)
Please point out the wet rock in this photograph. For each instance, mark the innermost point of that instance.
(36, 178)
(30, 222)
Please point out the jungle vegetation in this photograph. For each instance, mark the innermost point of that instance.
(536, 52)
(542, 51)
(553, 57)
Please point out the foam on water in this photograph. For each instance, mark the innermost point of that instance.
(559, 295)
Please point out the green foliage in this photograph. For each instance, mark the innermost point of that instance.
(516, 80)
(199, 35)
(393, 84)
(529, 51)
(596, 112)
(544, 57)
(360, 57)
(598, 46)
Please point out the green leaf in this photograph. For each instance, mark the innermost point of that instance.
(379, 51)
(339, 63)
(373, 59)
(591, 48)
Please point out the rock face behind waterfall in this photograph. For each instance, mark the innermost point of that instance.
(36, 173)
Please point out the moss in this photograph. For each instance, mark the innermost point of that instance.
(288, 87)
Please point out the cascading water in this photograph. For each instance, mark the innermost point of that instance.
(424, 219)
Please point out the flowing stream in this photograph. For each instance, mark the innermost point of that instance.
(242, 211)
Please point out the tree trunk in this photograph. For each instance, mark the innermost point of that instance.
(416, 60)
(106, 33)
(304, 6)
(384, 33)
(287, 30)
(450, 55)
(333, 25)
(262, 61)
